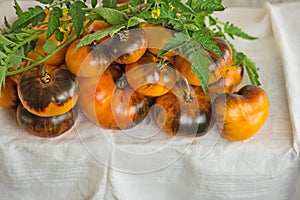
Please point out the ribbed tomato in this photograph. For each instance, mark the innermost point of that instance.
(86, 61)
(46, 126)
(128, 46)
(184, 111)
(111, 105)
(217, 68)
(150, 76)
(51, 93)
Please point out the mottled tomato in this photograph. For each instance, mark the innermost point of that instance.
(240, 115)
(49, 92)
(111, 105)
(231, 79)
(184, 111)
(46, 126)
(157, 36)
(97, 25)
(151, 76)
(86, 61)
(128, 46)
(217, 68)
(9, 95)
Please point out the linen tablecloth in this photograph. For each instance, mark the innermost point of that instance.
(90, 163)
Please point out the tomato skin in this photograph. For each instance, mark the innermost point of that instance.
(9, 95)
(56, 96)
(128, 46)
(46, 126)
(109, 106)
(217, 68)
(240, 115)
(157, 37)
(231, 79)
(149, 77)
(87, 61)
(179, 116)
(38, 53)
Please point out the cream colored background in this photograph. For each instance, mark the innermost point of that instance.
(253, 3)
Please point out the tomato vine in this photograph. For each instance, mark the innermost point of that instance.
(193, 21)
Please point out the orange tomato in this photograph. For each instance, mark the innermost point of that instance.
(109, 104)
(9, 95)
(128, 46)
(87, 61)
(53, 93)
(157, 36)
(217, 68)
(150, 77)
(240, 115)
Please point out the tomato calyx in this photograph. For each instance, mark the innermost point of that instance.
(46, 78)
(122, 82)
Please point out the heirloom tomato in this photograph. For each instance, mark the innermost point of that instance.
(46, 126)
(240, 115)
(151, 76)
(128, 46)
(9, 94)
(86, 61)
(231, 79)
(48, 91)
(217, 67)
(110, 104)
(157, 36)
(184, 111)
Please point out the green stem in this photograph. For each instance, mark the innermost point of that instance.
(69, 41)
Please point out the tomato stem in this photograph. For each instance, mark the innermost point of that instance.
(187, 93)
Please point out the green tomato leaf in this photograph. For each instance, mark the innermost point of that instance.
(205, 40)
(17, 8)
(207, 6)
(178, 41)
(54, 21)
(109, 3)
(233, 30)
(136, 2)
(250, 68)
(200, 64)
(133, 21)
(183, 7)
(6, 23)
(4, 41)
(90, 38)
(2, 76)
(49, 47)
(32, 16)
(45, 1)
(112, 16)
(78, 16)
(16, 58)
(94, 3)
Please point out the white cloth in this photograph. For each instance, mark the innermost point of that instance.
(90, 163)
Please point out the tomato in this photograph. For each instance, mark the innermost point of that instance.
(86, 61)
(231, 79)
(111, 105)
(53, 93)
(46, 126)
(9, 95)
(150, 77)
(39, 53)
(157, 36)
(97, 25)
(217, 68)
(184, 111)
(128, 46)
(240, 115)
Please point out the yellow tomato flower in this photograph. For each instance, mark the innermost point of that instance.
(155, 13)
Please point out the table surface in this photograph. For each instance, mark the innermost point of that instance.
(90, 163)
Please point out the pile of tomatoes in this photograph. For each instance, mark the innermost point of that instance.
(118, 81)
